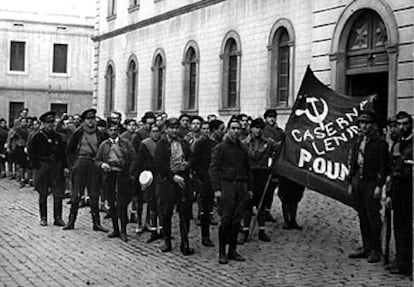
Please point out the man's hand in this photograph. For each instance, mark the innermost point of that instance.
(250, 194)
(106, 167)
(179, 180)
(388, 202)
(217, 196)
(377, 192)
(66, 171)
(350, 189)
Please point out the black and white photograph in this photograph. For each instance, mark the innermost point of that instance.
(256, 143)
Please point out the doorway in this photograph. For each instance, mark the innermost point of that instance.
(361, 85)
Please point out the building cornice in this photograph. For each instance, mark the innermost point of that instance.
(159, 18)
(52, 23)
(49, 91)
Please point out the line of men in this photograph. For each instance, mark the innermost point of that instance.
(182, 155)
(230, 165)
(374, 164)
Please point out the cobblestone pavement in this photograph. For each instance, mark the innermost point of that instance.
(31, 255)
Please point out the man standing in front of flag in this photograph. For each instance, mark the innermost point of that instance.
(368, 170)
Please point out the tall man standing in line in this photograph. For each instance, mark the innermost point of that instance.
(47, 154)
(171, 158)
(81, 151)
(402, 195)
(368, 170)
(232, 183)
(271, 130)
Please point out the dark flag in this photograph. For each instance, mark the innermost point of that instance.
(319, 134)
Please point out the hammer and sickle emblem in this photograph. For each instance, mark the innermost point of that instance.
(312, 112)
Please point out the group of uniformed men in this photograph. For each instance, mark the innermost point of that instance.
(227, 165)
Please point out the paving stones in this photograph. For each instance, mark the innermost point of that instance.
(31, 255)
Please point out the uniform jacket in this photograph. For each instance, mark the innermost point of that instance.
(260, 151)
(229, 162)
(376, 159)
(144, 160)
(201, 158)
(73, 146)
(401, 168)
(46, 147)
(163, 155)
(275, 133)
(128, 154)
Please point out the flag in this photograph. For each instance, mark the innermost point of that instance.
(318, 137)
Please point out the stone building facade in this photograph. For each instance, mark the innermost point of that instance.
(231, 56)
(46, 63)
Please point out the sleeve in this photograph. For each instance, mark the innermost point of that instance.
(99, 159)
(34, 151)
(215, 165)
(161, 161)
(248, 171)
(384, 163)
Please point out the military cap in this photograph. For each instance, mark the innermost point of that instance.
(367, 116)
(48, 117)
(88, 114)
(171, 122)
(258, 123)
(270, 113)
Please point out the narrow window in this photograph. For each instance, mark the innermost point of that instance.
(60, 57)
(17, 56)
(132, 86)
(190, 84)
(283, 69)
(159, 70)
(109, 89)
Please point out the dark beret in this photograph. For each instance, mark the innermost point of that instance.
(258, 123)
(367, 116)
(47, 117)
(171, 122)
(88, 113)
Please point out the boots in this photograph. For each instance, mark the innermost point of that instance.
(167, 245)
(97, 223)
(115, 225)
(293, 210)
(242, 236)
(72, 217)
(57, 211)
(205, 231)
(222, 246)
(263, 236)
(233, 254)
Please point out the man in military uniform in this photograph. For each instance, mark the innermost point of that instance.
(232, 183)
(261, 151)
(47, 154)
(401, 194)
(171, 158)
(369, 161)
(81, 151)
(115, 156)
(200, 162)
(271, 130)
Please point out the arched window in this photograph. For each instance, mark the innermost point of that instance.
(132, 84)
(191, 69)
(109, 89)
(158, 70)
(231, 72)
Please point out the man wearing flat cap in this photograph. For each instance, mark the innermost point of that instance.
(171, 159)
(369, 161)
(81, 150)
(47, 154)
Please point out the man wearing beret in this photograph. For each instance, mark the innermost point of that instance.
(261, 151)
(47, 154)
(171, 159)
(81, 153)
(232, 183)
(369, 161)
(271, 130)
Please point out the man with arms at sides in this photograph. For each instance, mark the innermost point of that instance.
(232, 183)
(172, 155)
(47, 154)
(81, 152)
